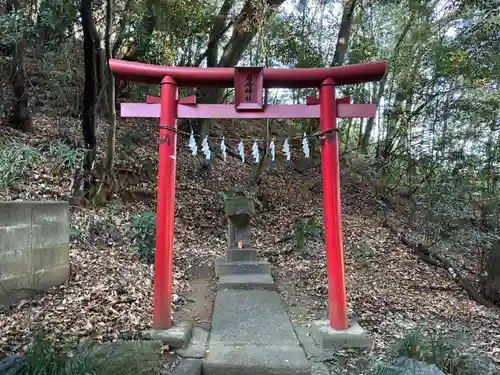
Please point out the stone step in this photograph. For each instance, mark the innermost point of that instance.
(235, 255)
(249, 281)
(223, 267)
(250, 359)
(251, 334)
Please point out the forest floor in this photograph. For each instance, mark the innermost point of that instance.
(109, 295)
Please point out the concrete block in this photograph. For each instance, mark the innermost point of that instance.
(256, 359)
(15, 213)
(14, 263)
(250, 281)
(313, 352)
(49, 234)
(45, 279)
(49, 257)
(49, 212)
(188, 367)
(255, 317)
(197, 346)
(15, 288)
(15, 238)
(223, 267)
(235, 255)
(177, 337)
(328, 338)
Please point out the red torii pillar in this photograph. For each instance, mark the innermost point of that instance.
(248, 105)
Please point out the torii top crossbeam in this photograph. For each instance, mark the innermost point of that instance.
(272, 77)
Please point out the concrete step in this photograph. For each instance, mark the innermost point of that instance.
(235, 255)
(251, 334)
(250, 281)
(248, 359)
(223, 267)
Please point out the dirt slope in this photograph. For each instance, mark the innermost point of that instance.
(109, 294)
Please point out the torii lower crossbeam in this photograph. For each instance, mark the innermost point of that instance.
(228, 111)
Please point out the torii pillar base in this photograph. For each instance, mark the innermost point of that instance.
(328, 338)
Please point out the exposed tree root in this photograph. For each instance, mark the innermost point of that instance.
(425, 254)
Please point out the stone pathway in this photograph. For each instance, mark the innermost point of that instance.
(251, 332)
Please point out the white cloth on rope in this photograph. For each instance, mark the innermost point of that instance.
(272, 149)
(206, 149)
(223, 149)
(241, 151)
(255, 152)
(305, 146)
(192, 144)
(286, 150)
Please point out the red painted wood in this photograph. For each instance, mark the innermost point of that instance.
(152, 99)
(330, 169)
(187, 100)
(224, 77)
(228, 111)
(162, 292)
(248, 88)
(311, 100)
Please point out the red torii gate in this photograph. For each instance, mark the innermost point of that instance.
(249, 83)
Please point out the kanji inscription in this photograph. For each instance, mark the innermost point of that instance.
(248, 86)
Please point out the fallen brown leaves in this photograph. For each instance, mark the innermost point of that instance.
(110, 293)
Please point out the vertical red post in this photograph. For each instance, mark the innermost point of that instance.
(165, 205)
(331, 206)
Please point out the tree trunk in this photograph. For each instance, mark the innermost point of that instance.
(344, 33)
(111, 108)
(245, 28)
(365, 140)
(215, 33)
(89, 90)
(20, 117)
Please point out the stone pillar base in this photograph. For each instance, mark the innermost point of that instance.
(328, 338)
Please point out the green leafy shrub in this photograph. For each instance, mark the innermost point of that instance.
(306, 229)
(44, 357)
(70, 157)
(449, 357)
(15, 160)
(433, 351)
(143, 235)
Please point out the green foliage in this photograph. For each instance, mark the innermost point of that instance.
(306, 229)
(361, 254)
(69, 157)
(143, 236)
(448, 356)
(45, 357)
(15, 160)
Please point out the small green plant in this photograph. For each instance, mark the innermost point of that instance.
(306, 229)
(70, 157)
(417, 346)
(45, 357)
(450, 358)
(143, 235)
(361, 254)
(15, 160)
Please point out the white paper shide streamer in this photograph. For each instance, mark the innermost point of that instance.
(272, 150)
(286, 150)
(255, 152)
(223, 149)
(305, 146)
(192, 144)
(241, 151)
(206, 149)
